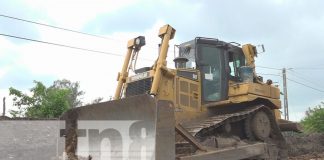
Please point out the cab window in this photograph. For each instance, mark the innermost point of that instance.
(236, 60)
(210, 65)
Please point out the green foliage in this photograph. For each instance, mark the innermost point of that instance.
(46, 102)
(74, 87)
(314, 120)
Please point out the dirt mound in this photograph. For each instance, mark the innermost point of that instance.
(310, 156)
(311, 145)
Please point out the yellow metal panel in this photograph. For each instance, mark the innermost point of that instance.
(249, 52)
(251, 97)
(164, 30)
(260, 89)
(238, 89)
(123, 74)
(275, 92)
(165, 89)
(189, 91)
(166, 35)
(253, 88)
(277, 113)
(131, 43)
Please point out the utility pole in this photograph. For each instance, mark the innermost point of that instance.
(286, 112)
(4, 107)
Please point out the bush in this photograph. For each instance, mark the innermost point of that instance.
(314, 120)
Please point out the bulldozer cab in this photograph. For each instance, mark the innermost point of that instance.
(218, 63)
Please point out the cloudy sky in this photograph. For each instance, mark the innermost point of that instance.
(291, 30)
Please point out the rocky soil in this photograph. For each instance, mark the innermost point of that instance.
(305, 146)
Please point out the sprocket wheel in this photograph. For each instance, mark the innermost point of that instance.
(258, 126)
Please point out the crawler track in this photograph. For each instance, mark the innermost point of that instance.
(210, 127)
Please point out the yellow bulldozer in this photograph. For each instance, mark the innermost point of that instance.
(211, 105)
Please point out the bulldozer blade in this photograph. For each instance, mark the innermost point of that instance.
(286, 125)
(138, 127)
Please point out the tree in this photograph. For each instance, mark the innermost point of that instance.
(46, 102)
(97, 100)
(314, 120)
(74, 87)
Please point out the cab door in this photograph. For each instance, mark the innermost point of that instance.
(211, 63)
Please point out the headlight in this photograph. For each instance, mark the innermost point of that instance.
(139, 41)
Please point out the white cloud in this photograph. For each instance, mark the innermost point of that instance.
(7, 55)
(3, 71)
(96, 72)
(6, 45)
(75, 13)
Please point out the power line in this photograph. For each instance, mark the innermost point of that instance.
(270, 74)
(51, 26)
(66, 29)
(269, 68)
(61, 45)
(309, 68)
(305, 85)
(67, 46)
(298, 68)
(294, 73)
